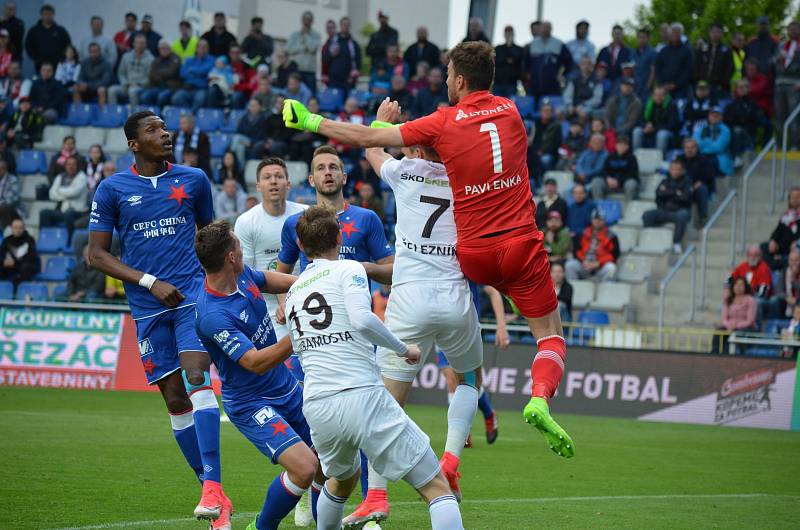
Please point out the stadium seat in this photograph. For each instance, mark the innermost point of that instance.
(60, 292)
(525, 105)
(649, 160)
(331, 100)
(298, 172)
(219, 143)
(6, 290)
(250, 168)
(124, 161)
(52, 137)
(78, 115)
(116, 143)
(775, 326)
(57, 269)
(233, 121)
(362, 96)
(34, 291)
(654, 241)
(52, 240)
(612, 296)
(80, 234)
(611, 208)
(634, 269)
(110, 116)
(564, 180)
(209, 119)
(33, 212)
(555, 101)
(29, 184)
(582, 335)
(648, 185)
(30, 162)
(86, 137)
(582, 293)
(634, 211)
(627, 237)
(155, 109)
(172, 116)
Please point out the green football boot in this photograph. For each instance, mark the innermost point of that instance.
(537, 413)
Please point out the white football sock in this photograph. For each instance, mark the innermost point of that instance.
(374, 480)
(445, 514)
(330, 510)
(459, 418)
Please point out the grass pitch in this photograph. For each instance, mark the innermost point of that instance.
(92, 460)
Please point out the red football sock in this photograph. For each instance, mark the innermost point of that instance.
(548, 366)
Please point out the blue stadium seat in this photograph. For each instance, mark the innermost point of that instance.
(525, 105)
(52, 240)
(30, 162)
(77, 235)
(78, 115)
(219, 143)
(612, 209)
(775, 326)
(172, 116)
(233, 121)
(110, 116)
(362, 96)
(583, 335)
(124, 161)
(210, 119)
(57, 269)
(331, 100)
(555, 101)
(34, 291)
(60, 292)
(6, 290)
(155, 109)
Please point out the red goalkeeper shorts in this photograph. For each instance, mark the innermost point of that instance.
(514, 263)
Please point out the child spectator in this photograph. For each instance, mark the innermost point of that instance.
(620, 173)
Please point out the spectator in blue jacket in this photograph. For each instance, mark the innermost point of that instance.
(429, 98)
(592, 161)
(714, 139)
(341, 58)
(615, 54)
(95, 77)
(579, 213)
(547, 57)
(194, 73)
(673, 65)
(645, 57)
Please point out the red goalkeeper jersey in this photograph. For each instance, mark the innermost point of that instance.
(483, 144)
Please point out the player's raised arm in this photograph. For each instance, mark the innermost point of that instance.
(297, 116)
(263, 360)
(278, 282)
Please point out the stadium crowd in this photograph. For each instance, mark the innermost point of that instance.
(588, 110)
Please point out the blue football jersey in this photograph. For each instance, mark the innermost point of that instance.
(229, 326)
(156, 219)
(363, 238)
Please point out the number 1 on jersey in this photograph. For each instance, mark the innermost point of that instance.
(494, 137)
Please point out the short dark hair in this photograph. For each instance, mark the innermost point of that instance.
(327, 150)
(47, 7)
(296, 75)
(623, 139)
(219, 14)
(212, 243)
(679, 161)
(132, 123)
(184, 24)
(715, 25)
(318, 230)
(96, 17)
(256, 20)
(646, 31)
(130, 14)
(475, 62)
(272, 161)
(617, 27)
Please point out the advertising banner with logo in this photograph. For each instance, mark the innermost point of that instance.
(656, 386)
(54, 348)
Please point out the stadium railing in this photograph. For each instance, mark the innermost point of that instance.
(730, 200)
(662, 288)
(784, 148)
(772, 145)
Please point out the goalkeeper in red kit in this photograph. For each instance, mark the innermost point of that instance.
(483, 144)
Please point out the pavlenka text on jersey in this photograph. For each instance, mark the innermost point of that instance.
(494, 185)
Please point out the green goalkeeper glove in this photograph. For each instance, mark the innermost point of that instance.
(297, 116)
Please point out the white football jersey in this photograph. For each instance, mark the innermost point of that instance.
(260, 235)
(425, 234)
(334, 355)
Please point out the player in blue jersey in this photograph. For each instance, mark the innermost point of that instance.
(155, 208)
(261, 397)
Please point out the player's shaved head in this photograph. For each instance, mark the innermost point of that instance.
(474, 61)
(318, 230)
(213, 243)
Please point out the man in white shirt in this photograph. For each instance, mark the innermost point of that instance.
(328, 310)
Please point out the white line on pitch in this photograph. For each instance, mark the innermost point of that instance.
(134, 524)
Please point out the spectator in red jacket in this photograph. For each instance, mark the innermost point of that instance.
(597, 254)
(756, 271)
(122, 38)
(760, 86)
(243, 76)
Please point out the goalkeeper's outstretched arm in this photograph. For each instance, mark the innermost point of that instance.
(297, 116)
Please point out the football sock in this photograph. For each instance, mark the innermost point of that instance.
(364, 474)
(459, 418)
(375, 480)
(282, 496)
(445, 514)
(485, 404)
(449, 397)
(548, 366)
(206, 419)
(316, 488)
(186, 436)
(330, 510)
